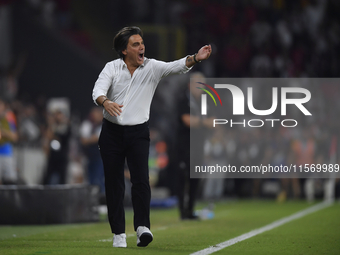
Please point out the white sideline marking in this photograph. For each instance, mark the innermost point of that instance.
(268, 227)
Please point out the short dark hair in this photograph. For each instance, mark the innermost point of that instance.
(120, 41)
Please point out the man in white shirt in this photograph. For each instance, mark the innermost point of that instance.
(125, 89)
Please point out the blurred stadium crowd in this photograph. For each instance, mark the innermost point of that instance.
(250, 38)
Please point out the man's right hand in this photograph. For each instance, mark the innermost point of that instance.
(113, 108)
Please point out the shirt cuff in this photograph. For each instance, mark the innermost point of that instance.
(186, 69)
(95, 96)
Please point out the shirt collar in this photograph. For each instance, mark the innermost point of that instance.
(124, 64)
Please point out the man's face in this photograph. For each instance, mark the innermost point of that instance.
(134, 52)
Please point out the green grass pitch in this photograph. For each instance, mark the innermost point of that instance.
(316, 233)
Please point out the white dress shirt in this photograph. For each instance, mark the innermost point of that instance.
(134, 92)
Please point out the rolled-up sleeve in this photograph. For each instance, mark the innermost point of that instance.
(163, 69)
(103, 82)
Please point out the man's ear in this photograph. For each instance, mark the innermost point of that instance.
(124, 52)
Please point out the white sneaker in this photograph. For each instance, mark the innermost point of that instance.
(144, 236)
(119, 240)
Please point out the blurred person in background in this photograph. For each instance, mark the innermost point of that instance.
(8, 136)
(190, 120)
(56, 146)
(302, 151)
(29, 124)
(89, 135)
(125, 89)
(9, 78)
(215, 152)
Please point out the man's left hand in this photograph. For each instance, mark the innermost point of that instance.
(204, 53)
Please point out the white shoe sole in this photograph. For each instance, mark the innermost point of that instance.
(119, 246)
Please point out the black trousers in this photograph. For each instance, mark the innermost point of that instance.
(56, 167)
(187, 187)
(117, 143)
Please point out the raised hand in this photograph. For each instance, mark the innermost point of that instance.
(204, 53)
